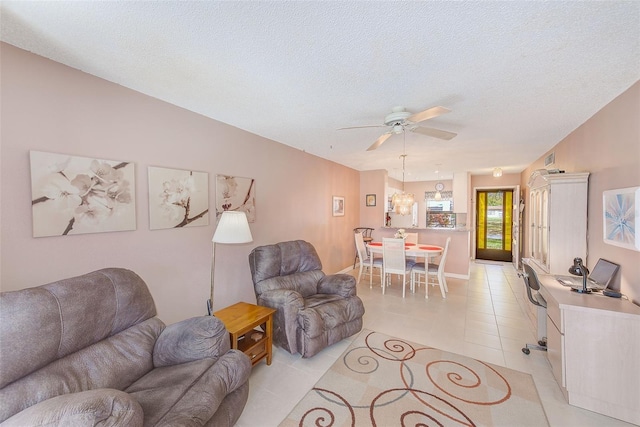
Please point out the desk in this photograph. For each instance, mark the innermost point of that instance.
(593, 346)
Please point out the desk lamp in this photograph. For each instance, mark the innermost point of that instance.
(578, 269)
(233, 227)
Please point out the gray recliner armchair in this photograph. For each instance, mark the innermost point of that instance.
(89, 351)
(314, 310)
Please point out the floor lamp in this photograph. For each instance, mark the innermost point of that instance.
(233, 227)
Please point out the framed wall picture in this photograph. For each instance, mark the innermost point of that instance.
(234, 193)
(177, 198)
(371, 200)
(338, 206)
(78, 195)
(621, 215)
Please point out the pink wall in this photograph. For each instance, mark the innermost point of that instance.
(372, 182)
(608, 146)
(47, 106)
(507, 180)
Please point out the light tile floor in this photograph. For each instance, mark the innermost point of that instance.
(481, 317)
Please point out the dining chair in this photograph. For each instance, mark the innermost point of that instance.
(367, 261)
(366, 236)
(411, 238)
(434, 270)
(394, 261)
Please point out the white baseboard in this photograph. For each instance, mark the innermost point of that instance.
(346, 270)
(452, 275)
(457, 276)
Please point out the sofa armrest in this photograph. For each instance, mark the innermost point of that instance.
(338, 284)
(288, 304)
(191, 339)
(282, 298)
(102, 406)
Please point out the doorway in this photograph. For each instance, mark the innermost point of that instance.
(494, 225)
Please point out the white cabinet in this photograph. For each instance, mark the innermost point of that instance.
(558, 220)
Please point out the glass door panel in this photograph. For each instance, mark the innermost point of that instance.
(494, 227)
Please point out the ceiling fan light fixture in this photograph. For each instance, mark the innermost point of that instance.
(497, 172)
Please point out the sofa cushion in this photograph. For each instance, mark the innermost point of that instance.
(283, 259)
(319, 299)
(57, 319)
(115, 362)
(305, 283)
(191, 391)
(89, 408)
(191, 339)
(317, 319)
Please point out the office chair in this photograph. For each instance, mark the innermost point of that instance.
(533, 284)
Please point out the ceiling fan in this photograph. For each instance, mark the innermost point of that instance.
(400, 120)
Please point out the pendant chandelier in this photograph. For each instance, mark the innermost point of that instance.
(403, 202)
(439, 185)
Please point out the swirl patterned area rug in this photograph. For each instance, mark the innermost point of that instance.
(384, 381)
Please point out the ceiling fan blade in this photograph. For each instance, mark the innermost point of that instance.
(429, 113)
(360, 127)
(379, 141)
(436, 133)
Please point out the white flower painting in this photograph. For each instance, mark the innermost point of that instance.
(77, 195)
(621, 215)
(236, 194)
(178, 198)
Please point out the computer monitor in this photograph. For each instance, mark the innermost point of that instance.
(603, 273)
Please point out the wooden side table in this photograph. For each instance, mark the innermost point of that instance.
(241, 320)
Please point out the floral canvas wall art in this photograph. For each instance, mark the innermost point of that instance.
(236, 194)
(177, 198)
(621, 215)
(77, 195)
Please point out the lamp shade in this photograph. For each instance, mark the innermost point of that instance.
(578, 268)
(233, 227)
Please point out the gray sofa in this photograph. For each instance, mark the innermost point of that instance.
(314, 310)
(89, 351)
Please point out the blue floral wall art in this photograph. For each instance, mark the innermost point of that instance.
(621, 216)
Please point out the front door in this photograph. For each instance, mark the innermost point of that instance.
(494, 225)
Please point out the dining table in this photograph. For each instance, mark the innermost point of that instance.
(418, 250)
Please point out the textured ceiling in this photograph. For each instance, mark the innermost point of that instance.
(518, 76)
